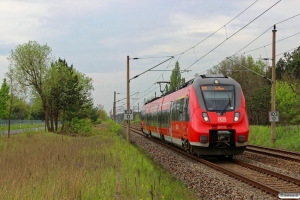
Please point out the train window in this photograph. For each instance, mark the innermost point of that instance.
(186, 110)
(219, 98)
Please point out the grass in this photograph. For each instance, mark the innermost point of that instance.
(287, 137)
(43, 165)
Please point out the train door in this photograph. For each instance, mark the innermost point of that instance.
(170, 120)
(186, 117)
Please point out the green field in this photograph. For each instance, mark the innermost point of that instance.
(287, 137)
(40, 165)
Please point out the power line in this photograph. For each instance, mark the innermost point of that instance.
(194, 45)
(281, 53)
(217, 30)
(234, 34)
(210, 36)
(151, 68)
(270, 43)
(265, 32)
(151, 57)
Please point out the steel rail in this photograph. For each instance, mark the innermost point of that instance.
(238, 176)
(286, 157)
(275, 150)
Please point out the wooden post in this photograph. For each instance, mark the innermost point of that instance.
(273, 98)
(114, 107)
(128, 99)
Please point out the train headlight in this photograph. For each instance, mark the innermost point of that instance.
(205, 116)
(236, 116)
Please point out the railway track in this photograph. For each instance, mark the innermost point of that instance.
(283, 154)
(269, 181)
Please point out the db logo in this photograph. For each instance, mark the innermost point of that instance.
(221, 119)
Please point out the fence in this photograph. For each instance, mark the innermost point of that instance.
(4, 122)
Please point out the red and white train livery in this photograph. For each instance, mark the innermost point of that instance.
(206, 116)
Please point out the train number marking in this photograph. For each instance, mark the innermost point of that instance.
(221, 119)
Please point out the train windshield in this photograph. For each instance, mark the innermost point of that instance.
(218, 98)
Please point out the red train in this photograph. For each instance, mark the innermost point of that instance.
(205, 116)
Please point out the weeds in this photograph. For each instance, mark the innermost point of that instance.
(51, 166)
(287, 137)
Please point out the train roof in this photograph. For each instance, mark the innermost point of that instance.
(205, 78)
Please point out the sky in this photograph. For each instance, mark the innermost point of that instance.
(97, 36)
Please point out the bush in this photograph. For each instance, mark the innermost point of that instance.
(79, 126)
(136, 120)
(98, 121)
(115, 127)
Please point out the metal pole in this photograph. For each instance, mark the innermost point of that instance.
(273, 125)
(114, 112)
(128, 100)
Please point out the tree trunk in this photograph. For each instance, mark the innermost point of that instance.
(63, 121)
(51, 119)
(9, 116)
(56, 120)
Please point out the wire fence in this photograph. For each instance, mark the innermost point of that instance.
(4, 122)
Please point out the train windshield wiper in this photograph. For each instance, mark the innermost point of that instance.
(228, 104)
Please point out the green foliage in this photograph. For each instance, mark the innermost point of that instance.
(175, 78)
(98, 121)
(36, 109)
(103, 115)
(4, 97)
(259, 105)
(289, 65)
(69, 91)
(255, 88)
(20, 109)
(81, 127)
(287, 103)
(136, 120)
(115, 127)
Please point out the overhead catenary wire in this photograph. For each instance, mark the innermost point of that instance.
(216, 30)
(281, 53)
(151, 68)
(180, 54)
(269, 44)
(233, 34)
(250, 69)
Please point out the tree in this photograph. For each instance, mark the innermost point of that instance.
(68, 94)
(287, 103)
(288, 69)
(31, 62)
(4, 97)
(102, 115)
(175, 78)
(256, 89)
(20, 109)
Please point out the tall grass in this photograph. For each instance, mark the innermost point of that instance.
(287, 137)
(52, 166)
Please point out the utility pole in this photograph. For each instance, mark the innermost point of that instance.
(273, 125)
(128, 100)
(114, 109)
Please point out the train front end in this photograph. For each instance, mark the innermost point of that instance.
(219, 122)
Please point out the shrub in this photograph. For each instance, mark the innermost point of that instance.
(115, 127)
(79, 126)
